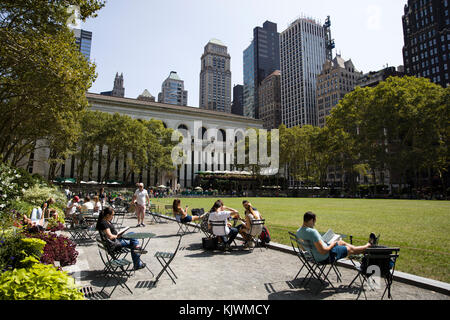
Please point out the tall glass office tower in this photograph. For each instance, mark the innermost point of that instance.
(249, 82)
(302, 55)
(84, 41)
(265, 51)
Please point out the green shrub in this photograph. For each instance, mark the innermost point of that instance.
(37, 195)
(14, 248)
(39, 282)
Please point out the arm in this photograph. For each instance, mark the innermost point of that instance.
(109, 235)
(323, 248)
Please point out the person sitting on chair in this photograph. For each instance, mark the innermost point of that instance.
(250, 214)
(219, 212)
(108, 232)
(335, 250)
(183, 214)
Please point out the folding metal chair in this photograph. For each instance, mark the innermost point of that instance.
(118, 219)
(183, 228)
(383, 259)
(168, 210)
(75, 230)
(255, 231)
(302, 255)
(204, 226)
(153, 214)
(164, 259)
(221, 225)
(114, 268)
(319, 266)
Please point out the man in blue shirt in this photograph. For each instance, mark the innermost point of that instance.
(319, 249)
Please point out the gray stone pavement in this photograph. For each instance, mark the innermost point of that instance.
(261, 274)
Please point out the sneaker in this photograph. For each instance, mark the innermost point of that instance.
(138, 225)
(142, 225)
(373, 239)
(142, 266)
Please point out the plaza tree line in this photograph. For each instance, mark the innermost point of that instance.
(43, 83)
(401, 126)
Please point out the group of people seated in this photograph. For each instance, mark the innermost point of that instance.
(74, 208)
(219, 212)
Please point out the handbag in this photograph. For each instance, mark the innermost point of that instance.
(114, 245)
(209, 243)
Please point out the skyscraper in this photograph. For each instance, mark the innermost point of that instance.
(249, 82)
(265, 48)
(337, 78)
(83, 39)
(215, 77)
(238, 100)
(426, 25)
(270, 101)
(302, 55)
(118, 89)
(172, 91)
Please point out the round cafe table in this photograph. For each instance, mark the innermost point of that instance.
(145, 239)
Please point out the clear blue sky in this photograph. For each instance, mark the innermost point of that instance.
(146, 39)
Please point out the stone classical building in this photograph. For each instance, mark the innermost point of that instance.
(270, 101)
(215, 77)
(202, 126)
(337, 78)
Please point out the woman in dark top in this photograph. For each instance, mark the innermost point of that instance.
(107, 230)
(102, 196)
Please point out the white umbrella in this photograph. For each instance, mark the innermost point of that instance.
(198, 188)
(92, 182)
(162, 186)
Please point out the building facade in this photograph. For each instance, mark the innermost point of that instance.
(83, 39)
(302, 55)
(238, 100)
(373, 78)
(172, 91)
(265, 48)
(270, 101)
(249, 81)
(215, 77)
(146, 96)
(199, 124)
(337, 78)
(426, 33)
(118, 88)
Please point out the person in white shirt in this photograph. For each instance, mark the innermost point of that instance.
(140, 199)
(72, 207)
(87, 205)
(97, 206)
(219, 212)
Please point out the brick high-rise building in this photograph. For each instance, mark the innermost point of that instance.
(426, 32)
(337, 78)
(215, 77)
(270, 101)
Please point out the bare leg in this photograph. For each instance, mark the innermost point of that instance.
(351, 249)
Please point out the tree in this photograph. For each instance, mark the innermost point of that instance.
(43, 76)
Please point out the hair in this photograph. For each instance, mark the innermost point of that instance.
(216, 205)
(87, 198)
(308, 216)
(105, 212)
(176, 206)
(96, 199)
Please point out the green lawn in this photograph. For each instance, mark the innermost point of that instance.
(420, 228)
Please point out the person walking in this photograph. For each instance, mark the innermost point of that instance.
(140, 200)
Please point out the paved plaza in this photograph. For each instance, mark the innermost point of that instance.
(261, 274)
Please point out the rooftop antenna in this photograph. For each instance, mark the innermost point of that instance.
(329, 43)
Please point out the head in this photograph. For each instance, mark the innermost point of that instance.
(141, 186)
(96, 199)
(247, 206)
(176, 205)
(87, 199)
(51, 201)
(106, 214)
(309, 219)
(76, 199)
(217, 205)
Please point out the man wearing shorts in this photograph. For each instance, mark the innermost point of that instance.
(320, 250)
(140, 199)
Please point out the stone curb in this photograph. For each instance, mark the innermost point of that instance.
(421, 282)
